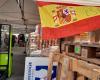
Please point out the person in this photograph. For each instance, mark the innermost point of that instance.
(13, 40)
(21, 40)
(6, 40)
(6, 43)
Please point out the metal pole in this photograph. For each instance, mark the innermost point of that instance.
(25, 41)
(9, 46)
(61, 40)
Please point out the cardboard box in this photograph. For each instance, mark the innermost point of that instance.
(88, 52)
(87, 37)
(69, 48)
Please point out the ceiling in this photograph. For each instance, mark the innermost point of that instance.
(83, 2)
(10, 12)
(22, 28)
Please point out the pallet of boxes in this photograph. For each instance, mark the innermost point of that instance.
(79, 61)
(84, 54)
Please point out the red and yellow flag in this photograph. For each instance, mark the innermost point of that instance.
(61, 19)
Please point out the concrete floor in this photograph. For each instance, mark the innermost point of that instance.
(18, 64)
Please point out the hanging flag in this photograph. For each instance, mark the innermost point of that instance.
(60, 20)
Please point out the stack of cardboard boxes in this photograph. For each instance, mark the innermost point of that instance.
(85, 45)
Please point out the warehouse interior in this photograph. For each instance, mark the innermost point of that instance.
(23, 18)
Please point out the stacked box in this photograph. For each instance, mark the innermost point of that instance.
(88, 52)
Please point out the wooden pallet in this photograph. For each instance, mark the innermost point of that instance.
(95, 61)
(85, 69)
(61, 61)
(85, 52)
(52, 58)
(70, 68)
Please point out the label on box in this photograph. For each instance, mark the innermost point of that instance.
(36, 68)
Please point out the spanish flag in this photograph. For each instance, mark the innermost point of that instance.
(60, 20)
